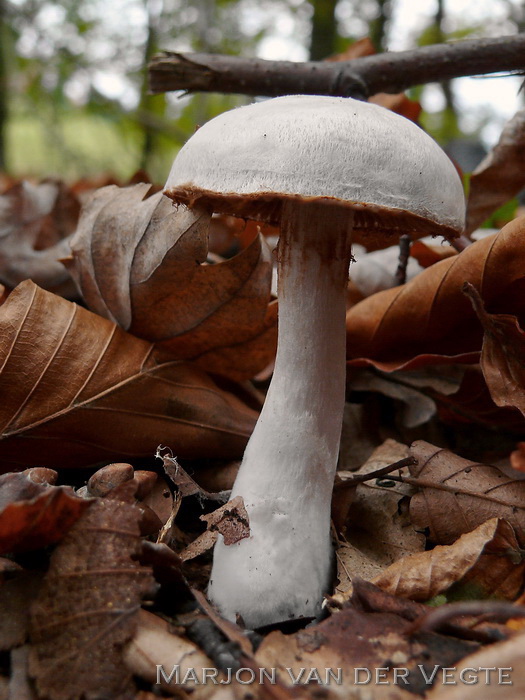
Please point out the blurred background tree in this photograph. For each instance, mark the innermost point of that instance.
(73, 95)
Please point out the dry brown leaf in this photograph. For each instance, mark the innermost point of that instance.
(377, 525)
(500, 175)
(361, 640)
(87, 608)
(16, 595)
(458, 495)
(35, 221)
(34, 514)
(427, 254)
(429, 320)
(488, 559)
(472, 403)
(230, 520)
(155, 645)
(76, 390)
(502, 355)
(141, 263)
(504, 678)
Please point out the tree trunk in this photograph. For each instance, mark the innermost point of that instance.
(323, 40)
(377, 31)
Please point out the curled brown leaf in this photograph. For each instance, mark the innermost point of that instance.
(500, 175)
(488, 558)
(429, 320)
(33, 513)
(142, 263)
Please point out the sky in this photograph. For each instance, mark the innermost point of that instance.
(494, 100)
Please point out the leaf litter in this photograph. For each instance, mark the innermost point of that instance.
(100, 586)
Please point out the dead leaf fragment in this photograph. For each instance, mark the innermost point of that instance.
(458, 495)
(362, 640)
(377, 526)
(35, 221)
(503, 679)
(87, 608)
(78, 390)
(142, 263)
(16, 595)
(429, 320)
(500, 175)
(488, 558)
(502, 355)
(230, 520)
(155, 645)
(34, 514)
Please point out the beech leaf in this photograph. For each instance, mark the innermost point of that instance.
(458, 495)
(500, 175)
(488, 557)
(429, 320)
(502, 354)
(142, 263)
(77, 390)
(35, 221)
(87, 608)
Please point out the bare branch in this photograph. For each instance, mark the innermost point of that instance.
(361, 77)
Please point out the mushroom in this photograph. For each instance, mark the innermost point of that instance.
(320, 168)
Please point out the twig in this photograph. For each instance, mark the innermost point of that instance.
(404, 252)
(361, 77)
(456, 490)
(377, 474)
(495, 610)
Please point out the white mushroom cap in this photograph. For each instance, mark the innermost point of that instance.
(248, 160)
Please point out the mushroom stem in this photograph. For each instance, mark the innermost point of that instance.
(282, 570)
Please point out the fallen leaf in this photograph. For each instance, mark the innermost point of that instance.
(35, 514)
(488, 559)
(142, 263)
(377, 525)
(495, 672)
(375, 271)
(472, 403)
(373, 648)
(16, 596)
(35, 222)
(429, 320)
(500, 175)
(502, 354)
(457, 495)
(155, 645)
(78, 390)
(88, 606)
(230, 520)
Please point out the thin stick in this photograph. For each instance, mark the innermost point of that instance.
(377, 474)
(361, 77)
(404, 253)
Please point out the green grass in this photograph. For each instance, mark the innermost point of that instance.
(80, 145)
